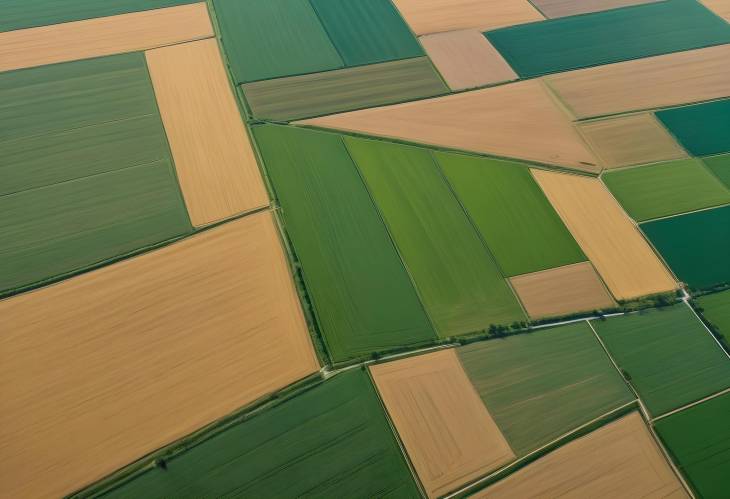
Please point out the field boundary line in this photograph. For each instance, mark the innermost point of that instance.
(692, 404)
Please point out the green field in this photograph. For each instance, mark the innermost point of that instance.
(663, 189)
(512, 214)
(331, 441)
(541, 385)
(720, 166)
(19, 14)
(670, 356)
(702, 129)
(362, 295)
(114, 190)
(716, 309)
(558, 45)
(699, 440)
(695, 245)
(457, 278)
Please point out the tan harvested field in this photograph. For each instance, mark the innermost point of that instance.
(559, 291)
(213, 156)
(619, 460)
(466, 59)
(719, 7)
(607, 236)
(519, 120)
(448, 433)
(665, 80)
(102, 36)
(630, 140)
(434, 16)
(106, 367)
(563, 8)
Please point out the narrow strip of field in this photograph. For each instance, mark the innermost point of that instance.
(450, 436)
(456, 276)
(103, 36)
(341, 90)
(716, 309)
(669, 356)
(466, 59)
(630, 140)
(560, 377)
(698, 441)
(562, 290)
(703, 129)
(511, 213)
(213, 156)
(645, 83)
(330, 441)
(485, 121)
(663, 189)
(623, 258)
(619, 460)
(101, 369)
(433, 16)
(564, 8)
(363, 297)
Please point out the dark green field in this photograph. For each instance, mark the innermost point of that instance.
(716, 309)
(703, 129)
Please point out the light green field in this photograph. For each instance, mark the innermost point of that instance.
(457, 278)
(541, 385)
(511, 213)
(716, 309)
(331, 441)
(663, 189)
(670, 356)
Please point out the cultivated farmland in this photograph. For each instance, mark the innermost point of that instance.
(563, 8)
(663, 189)
(671, 359)
(209, 324)
(716, 309)
(332, 440)
(702, 129)
(456, 276)
(619, 460)
(449, 435)
(559, 376)
(720, 166)
(698, 440)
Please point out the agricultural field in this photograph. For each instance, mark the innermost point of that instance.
(720, 166)
(697, 440)
(668, 355)
(703, 129)
(716, 309)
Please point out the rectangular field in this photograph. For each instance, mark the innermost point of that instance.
(717, 310)
(104, 368)
(362, 295)
(698, 440)
(330, 441)
(456, 276)
(622, 459)
(340, 90)
(213, 156)
(694, 245)
(645, 83)
(671, 358)
(562, 290)
(103, 36)
(560, 377)
(575, 42)
(612, 243)
(484, 121)
(703, 129)
(663, 189)
(450, 436)
(563, 8)
(511, 213)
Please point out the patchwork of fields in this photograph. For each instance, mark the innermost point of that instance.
(347, 248)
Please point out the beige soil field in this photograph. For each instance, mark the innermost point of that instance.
(434, 16)
(448, 433)
(466, 59)
(519, 120)
(719, 7)
(630, 140)
(563, 8)
(213, 156)
(563, 290)
(102, 36)
(103, 368)
(619, 460)
(665, 80)
(606, 234)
